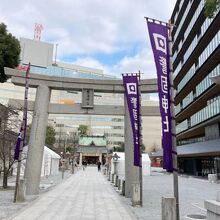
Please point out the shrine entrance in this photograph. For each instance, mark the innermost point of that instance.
(91, 160)
(42, 107)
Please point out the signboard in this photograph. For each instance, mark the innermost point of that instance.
(87, 98)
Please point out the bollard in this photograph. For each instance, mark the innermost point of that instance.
(123, 188)
(168, 208)
(119, 184)
(136, 194)
(109, 176)
(112, 178)
(116, 181)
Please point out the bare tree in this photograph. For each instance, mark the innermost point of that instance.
(153, 148)
(9, 127)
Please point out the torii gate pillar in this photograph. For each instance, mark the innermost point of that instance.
(131, 171)
(37, 140)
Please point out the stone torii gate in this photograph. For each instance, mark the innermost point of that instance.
(42, 108)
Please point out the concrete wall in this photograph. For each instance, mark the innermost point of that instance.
(37, 52)
(212, 132)
(213, 208)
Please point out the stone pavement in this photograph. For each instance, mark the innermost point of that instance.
(86, 195)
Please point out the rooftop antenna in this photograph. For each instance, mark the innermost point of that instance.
(37, 31)
(56, 54)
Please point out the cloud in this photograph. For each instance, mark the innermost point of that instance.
(85, 30)
(142, 61)
(91, 62)
(84, 27)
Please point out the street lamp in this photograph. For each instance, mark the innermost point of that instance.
(115, 176)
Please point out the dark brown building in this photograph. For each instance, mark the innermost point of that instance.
(196, 58)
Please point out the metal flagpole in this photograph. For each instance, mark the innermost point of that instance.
(159, 29)
(140, 141)
(173, 126)
(22, 133)
(19, 163)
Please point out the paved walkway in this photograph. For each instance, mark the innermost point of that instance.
(87, 195)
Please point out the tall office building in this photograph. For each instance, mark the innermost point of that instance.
(196, 58)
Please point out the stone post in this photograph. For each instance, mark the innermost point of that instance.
(131, 172)
(123, 188)
(213, 208)
(37, 140)
(168, 208)
(136, 194)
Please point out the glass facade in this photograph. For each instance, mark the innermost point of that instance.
(190, 140)
(182, 126)
(190, 49)
(193, 20)
(190, 26)
(63, 72)
(187, 100)
(202, 58)
(200, 34)
(177, 12)
(214, 43)
(177, 109)
(212, 109)
(200, 88)
(182, 20)
(186, 78)
(207, 82)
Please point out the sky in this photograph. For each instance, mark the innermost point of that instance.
(109, 35)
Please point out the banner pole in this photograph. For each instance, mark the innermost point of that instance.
(22, 134)
(18, 167)
(173, 126)
(141, 141)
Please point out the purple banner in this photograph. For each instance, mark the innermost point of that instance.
(159, 42)
(133, 103)
(22, 134)
(17, 147)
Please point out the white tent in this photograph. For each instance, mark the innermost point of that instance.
(50, 163)
(146, 165)
(121, 165)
